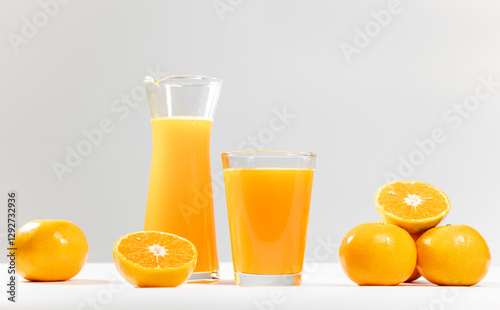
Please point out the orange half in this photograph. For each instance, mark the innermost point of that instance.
(412, 205)
(154, 259)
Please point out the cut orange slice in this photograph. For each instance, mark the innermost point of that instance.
(154, 259)
(412, 205)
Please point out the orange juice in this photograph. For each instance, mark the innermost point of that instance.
(268, 211)
(180, 187)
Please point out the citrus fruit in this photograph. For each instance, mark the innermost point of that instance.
(50, 250)
(453, 255)
(152, 258)
(378, 254)
(413, 205)
(415, 275)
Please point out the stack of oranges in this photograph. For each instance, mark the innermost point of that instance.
(406, 244)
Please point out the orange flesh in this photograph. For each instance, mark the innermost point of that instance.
(415, 201)
(155, 250)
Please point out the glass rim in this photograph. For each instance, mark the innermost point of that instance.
(183, 80)
(268, 154)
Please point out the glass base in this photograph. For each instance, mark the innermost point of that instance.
(200, 277)
(247, 279)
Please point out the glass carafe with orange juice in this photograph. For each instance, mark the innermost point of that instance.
(180, 186)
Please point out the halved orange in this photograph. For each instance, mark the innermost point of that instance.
(412, 205)
(154, 259)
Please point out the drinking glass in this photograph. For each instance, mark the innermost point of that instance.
(268, 195)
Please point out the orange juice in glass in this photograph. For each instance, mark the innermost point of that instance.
(180, 185)
(268, 195)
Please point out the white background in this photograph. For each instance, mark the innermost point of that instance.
(361, 114)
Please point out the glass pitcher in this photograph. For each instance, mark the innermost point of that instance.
(180, 185)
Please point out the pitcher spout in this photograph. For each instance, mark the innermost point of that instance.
(152, 92)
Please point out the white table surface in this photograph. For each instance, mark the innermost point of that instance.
(100, 286)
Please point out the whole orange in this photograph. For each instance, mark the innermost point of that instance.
(453, 255)
(378, 254)
(50, 250)
(415, 275)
